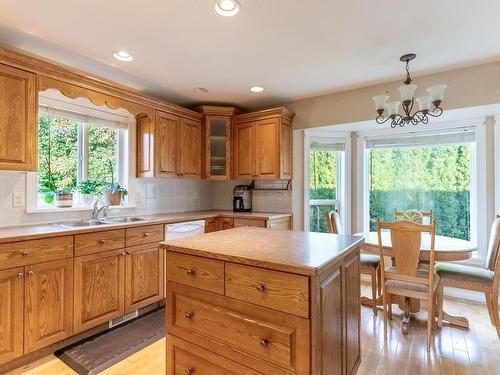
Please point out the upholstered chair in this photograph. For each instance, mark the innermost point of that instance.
(484, 280)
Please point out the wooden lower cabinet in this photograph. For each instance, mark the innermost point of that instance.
(49, 301)
(11, 314)
(284, 223)
(99, 291)
(338, 350)
(186, 358)
(224, 223)
(211, 225)
(143, 276)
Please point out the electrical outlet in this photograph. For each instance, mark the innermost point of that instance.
(18, 200)
(268, 196)
(138, 196)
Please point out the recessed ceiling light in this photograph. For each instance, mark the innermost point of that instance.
(256, 89)
(122, 56)
(201, 90)
(227, 8)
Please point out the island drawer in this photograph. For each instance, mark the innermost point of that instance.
(18, 254)
(274, 289)
(142, 235)
(201, 273)
(280, 339)
(97, 242)
(186, 358)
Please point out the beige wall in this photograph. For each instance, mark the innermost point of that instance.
(467, 87)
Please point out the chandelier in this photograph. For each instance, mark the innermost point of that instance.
(434, 96)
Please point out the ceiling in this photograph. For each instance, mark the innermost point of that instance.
(294, 49)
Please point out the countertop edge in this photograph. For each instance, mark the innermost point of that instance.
(263, 263)
(176, 217)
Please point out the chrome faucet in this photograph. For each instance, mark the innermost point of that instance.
(96, 212)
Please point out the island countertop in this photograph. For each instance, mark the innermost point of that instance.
(293, 251)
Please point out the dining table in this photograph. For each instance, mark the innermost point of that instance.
(446, 249)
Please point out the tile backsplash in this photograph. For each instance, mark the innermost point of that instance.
(152, 195)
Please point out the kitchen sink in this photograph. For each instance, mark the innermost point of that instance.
(81, 223)
(90, 223)
(118, 220)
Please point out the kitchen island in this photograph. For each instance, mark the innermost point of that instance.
(256, 301)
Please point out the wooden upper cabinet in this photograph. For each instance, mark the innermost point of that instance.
(244, 150)
(190, 148)
(262, 145)
(145, 145)
(11, 314)
(49, 303)
(267, 148)
(18, 123)
(166, 150)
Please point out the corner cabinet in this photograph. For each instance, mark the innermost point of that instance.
(216, 142)
(262, 145)
(18, 123)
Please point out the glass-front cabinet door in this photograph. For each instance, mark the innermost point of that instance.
(217, 150)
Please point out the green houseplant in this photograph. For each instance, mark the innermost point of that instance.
(88, 189)
(114, 192)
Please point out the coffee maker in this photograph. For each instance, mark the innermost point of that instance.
(242, 198)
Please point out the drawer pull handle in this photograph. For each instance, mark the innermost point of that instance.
(260, 288)
(30, 273)
(20, 275)
(263, 342)
(190, 272)
(102, 241)
(189, 315)
(24, 253)
(123, 254)
(190, 371)
(147, 234)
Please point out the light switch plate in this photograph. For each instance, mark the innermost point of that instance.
(18, 200)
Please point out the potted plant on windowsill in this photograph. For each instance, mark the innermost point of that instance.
(64, 198)
(88, 189)
(114, 193)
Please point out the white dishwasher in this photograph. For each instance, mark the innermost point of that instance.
(181, 230)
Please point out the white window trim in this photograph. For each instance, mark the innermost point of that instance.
(496, 130)
(479, 231)
(343, 175)
(126, 165)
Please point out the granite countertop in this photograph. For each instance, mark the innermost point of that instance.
(294, 251)
(27, 232)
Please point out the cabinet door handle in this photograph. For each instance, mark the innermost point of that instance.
(147, 234)
(190, 272)
(123, 254)
(189, 315)
(127, 252)
(260, 288)
(20, 275)
(190, 371)
(30, 273)
(103, 241)
(24, 253)
(263, 342)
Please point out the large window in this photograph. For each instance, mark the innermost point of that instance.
(83, 152)
(325, 180)
(424, 172)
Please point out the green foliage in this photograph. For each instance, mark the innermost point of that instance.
(90, 187)
(102, 153)
(424, 178)
(323, 171)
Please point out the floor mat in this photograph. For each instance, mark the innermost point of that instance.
(96, 354)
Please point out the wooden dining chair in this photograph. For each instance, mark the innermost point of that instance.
(369, 264)
(415, 216)
(405, 278)
(484, 280)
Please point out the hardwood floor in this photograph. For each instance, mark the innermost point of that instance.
(454, 352)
